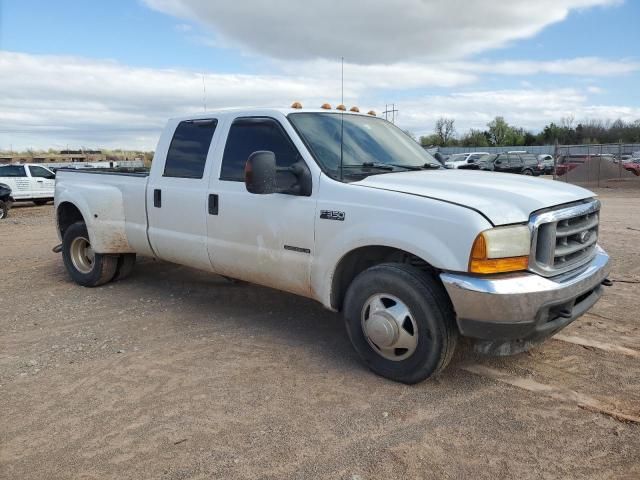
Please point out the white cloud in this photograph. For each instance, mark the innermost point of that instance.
(51, 101)
(183, 27)
(377, 31)
(529, 108)
(584, 67)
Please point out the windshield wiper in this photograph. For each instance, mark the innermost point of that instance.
(426, 166)
(379, 166)
(392, 166)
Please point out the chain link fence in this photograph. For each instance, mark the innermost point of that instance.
(614, 165)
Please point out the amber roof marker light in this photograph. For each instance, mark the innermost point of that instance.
(326, 106)
(296, 105)
(354, 109)
(341, 107)
(372, 113)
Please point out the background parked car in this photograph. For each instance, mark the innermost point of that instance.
(29, 182)
(547, 164)
(566, 163)
(521, 163)
(485, 162)
(5, 200)
(633, 166)
(458, 159)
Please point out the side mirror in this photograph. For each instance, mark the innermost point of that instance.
(260, 173)
(498, 162)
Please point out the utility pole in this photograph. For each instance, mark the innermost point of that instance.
(393, 112)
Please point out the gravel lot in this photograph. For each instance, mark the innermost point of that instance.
(177, 374)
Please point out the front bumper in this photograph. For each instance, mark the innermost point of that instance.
(510, 312)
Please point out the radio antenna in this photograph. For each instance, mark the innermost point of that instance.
(204, 94)
(341, 115)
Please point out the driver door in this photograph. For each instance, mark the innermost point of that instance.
(264, 239)
(42, 182)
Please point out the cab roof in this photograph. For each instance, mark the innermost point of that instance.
(266, 111)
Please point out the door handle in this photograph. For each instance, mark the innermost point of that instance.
(40, 181)
(157, 198)
(213, 204)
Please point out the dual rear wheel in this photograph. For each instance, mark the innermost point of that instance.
(87, 267)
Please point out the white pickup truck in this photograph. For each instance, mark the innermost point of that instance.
(29, 182)
(344, 208)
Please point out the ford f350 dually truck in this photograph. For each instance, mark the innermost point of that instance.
(346, 209)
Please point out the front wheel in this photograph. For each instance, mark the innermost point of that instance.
(401, 322)
(528, 172)
(86, 267)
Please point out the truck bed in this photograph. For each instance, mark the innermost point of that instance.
(112, 202)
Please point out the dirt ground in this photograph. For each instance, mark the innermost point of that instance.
(176, 374)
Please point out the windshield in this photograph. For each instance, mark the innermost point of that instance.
(368, 143)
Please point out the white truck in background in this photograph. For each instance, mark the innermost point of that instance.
(344, 208)
(458, 159)
(29, 182)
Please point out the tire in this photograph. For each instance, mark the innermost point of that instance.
(82, 269)
(4, 210)
(527, 172)
(126, 262)
(39, 203)
(430, 323)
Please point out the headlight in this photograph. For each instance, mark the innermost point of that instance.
(502, 249)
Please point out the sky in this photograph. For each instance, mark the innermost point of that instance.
(107, 74)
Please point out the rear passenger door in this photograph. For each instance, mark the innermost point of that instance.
(177, 195)
(15, 177)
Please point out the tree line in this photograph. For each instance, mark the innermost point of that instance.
(499, 133)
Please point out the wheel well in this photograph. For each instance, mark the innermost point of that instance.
(68, 214)
(360, 259)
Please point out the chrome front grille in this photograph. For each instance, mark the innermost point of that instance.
(564, 239)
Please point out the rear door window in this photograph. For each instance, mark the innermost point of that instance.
(189, 147)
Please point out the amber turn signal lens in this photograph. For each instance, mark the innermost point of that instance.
(499, 265)
(479, 250)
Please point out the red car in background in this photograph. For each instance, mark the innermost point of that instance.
(567, 163)
(633, 166)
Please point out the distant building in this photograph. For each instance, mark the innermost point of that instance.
(65, 156)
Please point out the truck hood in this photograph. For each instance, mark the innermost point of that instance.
(501, 197)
